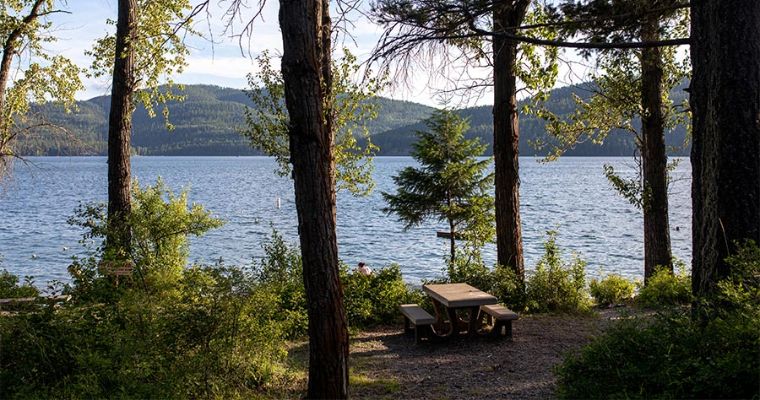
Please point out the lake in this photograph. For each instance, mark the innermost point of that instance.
(571, 196)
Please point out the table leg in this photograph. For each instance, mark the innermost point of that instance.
(441, 313)
(474, 322)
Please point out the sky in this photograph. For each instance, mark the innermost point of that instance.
(222, 61)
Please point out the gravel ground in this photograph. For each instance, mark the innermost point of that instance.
(386, 363)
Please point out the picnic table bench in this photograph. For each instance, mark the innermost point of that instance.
(12, 305)
(450, 302)
(420, 319)
(503, 318)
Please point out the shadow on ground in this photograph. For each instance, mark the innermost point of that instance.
(385, 363)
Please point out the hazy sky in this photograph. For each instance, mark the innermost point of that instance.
(222, 62)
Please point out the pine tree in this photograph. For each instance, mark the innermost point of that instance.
(451, 184)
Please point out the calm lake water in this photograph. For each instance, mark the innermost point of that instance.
(571, 196)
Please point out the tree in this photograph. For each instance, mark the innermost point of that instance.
(307, 82)
(725, 157)
(450, 184)
(352, 108)
(28, 73)
(635, 85)
(413, 25)
(146, 47)
(120, 129)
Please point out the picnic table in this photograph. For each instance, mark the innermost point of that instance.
(450, 300)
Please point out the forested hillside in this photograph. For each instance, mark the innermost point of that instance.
(398, 141)
(210, 118)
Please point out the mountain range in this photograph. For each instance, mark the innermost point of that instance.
(208, 123)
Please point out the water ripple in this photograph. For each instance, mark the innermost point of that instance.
(571, 196)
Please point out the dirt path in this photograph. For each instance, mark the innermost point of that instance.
(387, 364)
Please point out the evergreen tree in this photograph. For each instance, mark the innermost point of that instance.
(451, 184)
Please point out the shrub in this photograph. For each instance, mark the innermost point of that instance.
(557, 286)
(9, 287)
(160, 222)
(369, 300)
(740, 292)
(673, 354)
(374, 299)
(469, 268)
(669, 357)
(666, 288)
(612, 289)
(170, 332)
(210, 336)
(280, 274)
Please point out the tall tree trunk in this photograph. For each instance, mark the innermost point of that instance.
(452, 239)
(725, 157)
(506, 138)
(120, 129)
(305, 26)
(9, 49)
(653, 155)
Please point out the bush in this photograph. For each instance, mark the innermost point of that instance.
(369, 300)
(374, 299)
(673, 354)
(280, 274)
(210, 336)
(665, 289)
(669, 357)
(557, 286)
(612, 289)
(166, 332)
(160, 222)
(9, 287)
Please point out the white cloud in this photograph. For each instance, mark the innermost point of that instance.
(223, 67)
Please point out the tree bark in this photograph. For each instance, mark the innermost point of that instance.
(655, 197)
(120, 129)
(506, 138)
(452, 240)
(725, 103)
(305, 26)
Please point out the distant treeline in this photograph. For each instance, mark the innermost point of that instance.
(208, 122)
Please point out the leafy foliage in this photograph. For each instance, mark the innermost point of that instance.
(160, 52)
(369, 300)
(280, 273)
(555, 285)
(611, 290)
(267, 122)
(451, 184)
(165, 332)
(208, 335)
(666, 288)
(41, 76)
(374, 299)
(741, 290)
(673, 355)
(9, 287)
(160, 221)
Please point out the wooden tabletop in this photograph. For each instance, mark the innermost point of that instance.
(455, 295)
